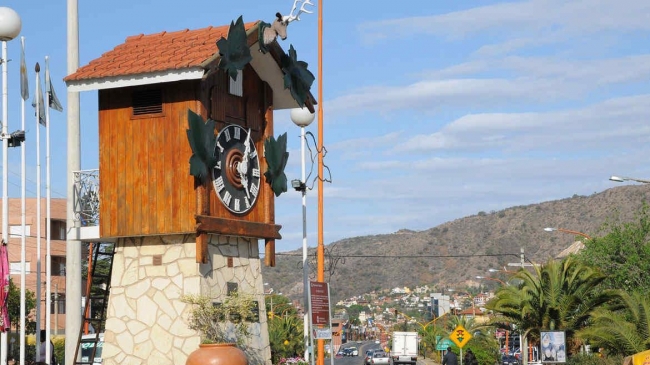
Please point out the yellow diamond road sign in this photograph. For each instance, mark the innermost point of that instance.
(460, 336)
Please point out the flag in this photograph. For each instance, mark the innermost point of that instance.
(24, 84)
(41, 105)
(52, 99)
(5, 325)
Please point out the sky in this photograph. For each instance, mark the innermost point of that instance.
(432, 111)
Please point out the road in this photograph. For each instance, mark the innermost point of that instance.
(354, 360)
(358, 360)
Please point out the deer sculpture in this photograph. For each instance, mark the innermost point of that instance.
(279, 26)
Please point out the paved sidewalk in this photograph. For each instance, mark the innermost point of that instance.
(427, 361)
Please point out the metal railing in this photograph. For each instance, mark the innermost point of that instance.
(86, 198)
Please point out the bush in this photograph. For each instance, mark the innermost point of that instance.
(594, 359)
(484, 356)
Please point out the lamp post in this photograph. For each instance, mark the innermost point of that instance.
(493, 279)
(553, 229)
(471, 297)
(623, 178)
(10, 25)
(504, 271)
(423, 325)
(303, 118)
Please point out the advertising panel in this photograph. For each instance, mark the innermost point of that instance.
(553, 347)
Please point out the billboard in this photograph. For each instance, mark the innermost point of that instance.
(553, 347)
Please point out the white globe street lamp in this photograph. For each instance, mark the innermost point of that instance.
(10, 25)
(302, 117)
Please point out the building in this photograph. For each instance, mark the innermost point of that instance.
(439, 304)
(57, 251)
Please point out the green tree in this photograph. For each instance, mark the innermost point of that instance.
(623, 254)
(355, 309)
(279, 305)
(13, 307)
(285, 337)
(622, 328)
(560, 295)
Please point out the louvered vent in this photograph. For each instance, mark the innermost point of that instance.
(237, 87)
(147, 102)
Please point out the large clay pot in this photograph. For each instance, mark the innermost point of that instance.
(217, 354)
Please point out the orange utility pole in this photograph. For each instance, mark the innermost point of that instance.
(320, 250)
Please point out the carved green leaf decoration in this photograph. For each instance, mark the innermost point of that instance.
(275, 152)
(260, 35)
(202, 141)
(234, 51)
(297, 78)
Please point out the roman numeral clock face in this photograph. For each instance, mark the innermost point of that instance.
(236, 178)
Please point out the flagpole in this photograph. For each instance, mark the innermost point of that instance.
(5, 171)
(38, 208)
(48, 198)
(24, 93)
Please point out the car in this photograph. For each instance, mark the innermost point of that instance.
(377, 342)
(355, 351)
(509, 360)
(347, 351)
(368, 356)
(380, 358)
(88, 344)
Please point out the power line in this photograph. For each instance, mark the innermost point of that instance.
(411, 256)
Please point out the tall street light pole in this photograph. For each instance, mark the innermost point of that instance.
(623, 178)
(493, 279)
(10, 26)
(303, 118)
(552, 229)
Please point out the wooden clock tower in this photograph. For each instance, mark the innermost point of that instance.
(175, 233)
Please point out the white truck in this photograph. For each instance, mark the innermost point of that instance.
(405, 348)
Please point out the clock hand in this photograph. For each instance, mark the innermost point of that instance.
(244, 182)
(243, 166)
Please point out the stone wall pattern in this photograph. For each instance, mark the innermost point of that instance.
(146, 320)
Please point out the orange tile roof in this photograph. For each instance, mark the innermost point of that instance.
(156, 52)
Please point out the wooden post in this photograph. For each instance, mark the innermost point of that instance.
(203, 208)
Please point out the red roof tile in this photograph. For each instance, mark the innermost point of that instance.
(157, 52)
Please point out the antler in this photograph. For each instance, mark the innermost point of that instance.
(289, 18)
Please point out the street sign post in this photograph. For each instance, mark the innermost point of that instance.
(320, 310)
(443, 344)
(461, 337)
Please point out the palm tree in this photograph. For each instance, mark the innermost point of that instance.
(559, 295)
(622, 328)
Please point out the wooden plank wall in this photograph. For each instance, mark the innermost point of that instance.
(146, 187)
(252, 110)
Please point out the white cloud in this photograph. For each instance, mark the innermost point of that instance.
(428, 94)
(537, 79)
(527, 17)
(605, 122)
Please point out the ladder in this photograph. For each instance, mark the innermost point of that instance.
(100, 268)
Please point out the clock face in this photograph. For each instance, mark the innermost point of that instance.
(236, 178)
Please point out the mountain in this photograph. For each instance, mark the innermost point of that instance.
(454, 253)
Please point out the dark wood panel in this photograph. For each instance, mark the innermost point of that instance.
(235, 227)
(257, 101)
